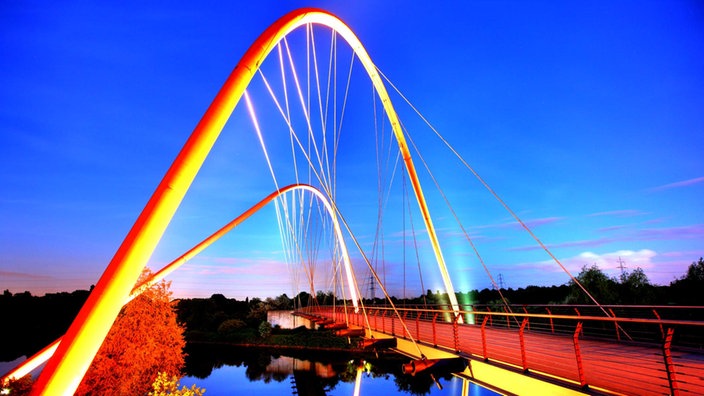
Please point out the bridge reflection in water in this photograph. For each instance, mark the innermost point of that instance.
(224, 369)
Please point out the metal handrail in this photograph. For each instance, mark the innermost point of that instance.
(549, 316)
(592, 356)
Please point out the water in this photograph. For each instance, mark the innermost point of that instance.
(223, 370)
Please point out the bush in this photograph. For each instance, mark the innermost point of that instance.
(265, 329)
(168, 386)
(19, 387)
(231, 325)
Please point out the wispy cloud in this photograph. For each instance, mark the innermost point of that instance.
(687, 254)
(646, 234)
(532, 223)
(10, 275)
(683, 183)
(224, 266)
(580, 243)
(684, 232)
(606, 261)
(618, 213)
(611, 228)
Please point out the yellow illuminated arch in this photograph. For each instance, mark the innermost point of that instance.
(65, 369)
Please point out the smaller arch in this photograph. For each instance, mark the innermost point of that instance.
(47, 352)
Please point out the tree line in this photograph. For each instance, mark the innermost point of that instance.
(32, 322)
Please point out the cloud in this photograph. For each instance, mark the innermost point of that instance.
(532, 223)
(686, 254)
(611, 228)
(606, 261)
(9, 275)
(683, 183)
(235, 266)
(649, 234)
(618, 213)
(667, 233)
(580, 243)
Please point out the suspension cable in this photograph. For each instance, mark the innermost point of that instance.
(454, 214)
(496, 196)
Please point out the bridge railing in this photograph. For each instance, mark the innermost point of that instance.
(579, 344)
(636, 323)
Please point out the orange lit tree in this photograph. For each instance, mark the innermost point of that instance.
(145, 340)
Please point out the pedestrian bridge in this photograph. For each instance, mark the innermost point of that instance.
(541, 349)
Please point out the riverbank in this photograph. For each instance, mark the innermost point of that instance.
(267, 346)
(299, 337)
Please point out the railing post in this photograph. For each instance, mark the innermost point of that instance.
(524, 361)
(578, 355)
(417, 325)
(618, 334)
(486, 357)
(508, 320)
(456, 333)
(669, 366)
(662, 332)
(393, 324)
(405, 315)
(552, 326)
(526, 318)
(491, 319)
(435, 334)
(383, 321)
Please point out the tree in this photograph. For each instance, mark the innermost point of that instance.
(695, 272)
(600, 286)
(145, 340)
(635, 288)
(688, 288)
(17, 387)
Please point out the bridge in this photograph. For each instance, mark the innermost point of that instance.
(593, 349)
(540, 350)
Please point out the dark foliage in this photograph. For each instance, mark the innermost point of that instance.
(29, 323)
(689, 289)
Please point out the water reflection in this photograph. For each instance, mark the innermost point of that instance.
(305, 373)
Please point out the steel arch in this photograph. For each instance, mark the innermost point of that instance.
(66, 368)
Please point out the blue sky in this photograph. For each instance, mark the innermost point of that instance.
(584, 117)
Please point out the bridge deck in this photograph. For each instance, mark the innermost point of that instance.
(609, 367)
